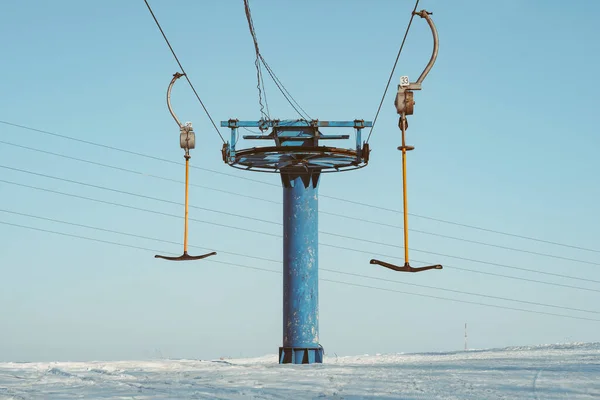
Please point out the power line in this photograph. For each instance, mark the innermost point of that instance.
(183, 71)
(459, 301)
(446, 255)
(283, 90)
(138, 208)
(320, 243)
(320, 195)
(464, 292)
(131, 171)
(257, 63)
(322, 279)
(260, 58)
(461, 239)
(393, 69)
(280, 262)
(135, 194)
(279, 223)
(464, 225)
(135, 153)
(446, 266)
(353, 218)
(455, 257)
(58, 221)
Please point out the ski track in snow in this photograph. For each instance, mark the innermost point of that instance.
(541, 372)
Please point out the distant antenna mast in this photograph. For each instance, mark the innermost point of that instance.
(466, 347)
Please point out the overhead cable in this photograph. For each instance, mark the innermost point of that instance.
(322, 279)
(353, 218)
(279, 223)
(412, 15)
(183, 71)
(321, 243)
(509, 234)
(259, 59)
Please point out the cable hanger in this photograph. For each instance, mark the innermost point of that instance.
(187, 141)
(405, 106)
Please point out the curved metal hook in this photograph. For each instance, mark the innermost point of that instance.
(176, 76)
(425, 14)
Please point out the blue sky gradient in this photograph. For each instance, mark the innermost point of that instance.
(505, 136)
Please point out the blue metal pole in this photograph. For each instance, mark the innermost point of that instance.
(300, 270)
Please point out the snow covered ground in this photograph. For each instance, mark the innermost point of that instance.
(543, 372)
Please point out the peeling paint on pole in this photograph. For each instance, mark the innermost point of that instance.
(300, 270)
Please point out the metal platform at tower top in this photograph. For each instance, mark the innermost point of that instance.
(299, 158)
(296, 146)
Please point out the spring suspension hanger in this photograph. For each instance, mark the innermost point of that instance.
(405, 106)
(187, 141)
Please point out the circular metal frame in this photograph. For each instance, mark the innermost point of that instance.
(274, 159)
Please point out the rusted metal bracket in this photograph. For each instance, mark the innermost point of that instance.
(297, 146)
(405, 98)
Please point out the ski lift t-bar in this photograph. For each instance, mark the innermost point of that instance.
(187, 141)
(405, 106)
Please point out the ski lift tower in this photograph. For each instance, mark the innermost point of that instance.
(299, 158)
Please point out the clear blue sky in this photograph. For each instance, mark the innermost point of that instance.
(505, 139)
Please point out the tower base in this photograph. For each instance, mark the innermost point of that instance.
(300, 355)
